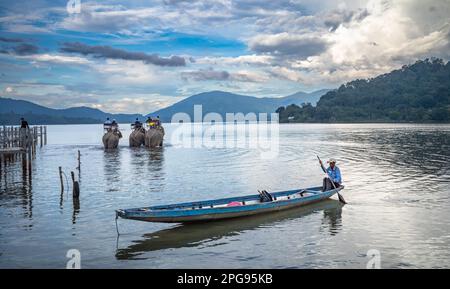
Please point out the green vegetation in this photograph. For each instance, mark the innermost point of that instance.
(415, 93)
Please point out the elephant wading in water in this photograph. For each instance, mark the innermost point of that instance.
(137, 137)
(154, 137)
(111, 138)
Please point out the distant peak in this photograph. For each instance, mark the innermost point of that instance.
(215, 92)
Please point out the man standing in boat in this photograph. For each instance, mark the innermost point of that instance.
(334, 175)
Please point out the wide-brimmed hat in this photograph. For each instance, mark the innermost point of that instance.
(331, 161)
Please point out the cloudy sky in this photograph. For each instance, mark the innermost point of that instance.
(139, 56)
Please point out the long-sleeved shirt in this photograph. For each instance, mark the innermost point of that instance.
(334, 174)
(24, 124)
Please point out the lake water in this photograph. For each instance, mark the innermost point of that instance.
(397, 181)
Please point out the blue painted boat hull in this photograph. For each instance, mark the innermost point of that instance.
(222, 208)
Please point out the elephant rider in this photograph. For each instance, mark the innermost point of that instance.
(151, 122)
(107, 124)
(114, 124)
(158, 122)
(159, 126)
(137, 124)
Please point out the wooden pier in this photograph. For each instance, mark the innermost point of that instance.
(20, 143)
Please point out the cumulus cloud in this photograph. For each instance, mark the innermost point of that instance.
(58, 59)
(206, 74)
(114, 53)
(222, 75)
(390, 32)
(287, 74)
(135, 73)
(137, 103)
(380, 37)
(339, 17)
(286, 44)
(249, 60)
(51, 95)
(9, 89)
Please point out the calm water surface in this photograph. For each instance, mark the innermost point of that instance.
(397, 188)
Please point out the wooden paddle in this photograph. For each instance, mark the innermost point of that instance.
(340, 197)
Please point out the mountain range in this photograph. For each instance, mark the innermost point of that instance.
(224, 102)
(215, 101)
(11, 110)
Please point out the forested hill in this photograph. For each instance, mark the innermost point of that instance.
(415, 93)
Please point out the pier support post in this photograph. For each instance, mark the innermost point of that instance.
(76, 187)
(29, 149)
(79, 160)
(40, 136)
(4, 137)
(61, 179)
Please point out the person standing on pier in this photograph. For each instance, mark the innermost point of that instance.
(23, 123)
(24, 133)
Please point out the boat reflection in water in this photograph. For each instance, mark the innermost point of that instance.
(192, 235)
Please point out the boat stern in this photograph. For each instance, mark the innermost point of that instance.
(121, 213)
(140, 214)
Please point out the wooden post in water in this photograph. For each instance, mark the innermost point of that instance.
(76, 187)
(79, 161)
(79, 165)
(24, 162)
(45, 135)
(61, 179)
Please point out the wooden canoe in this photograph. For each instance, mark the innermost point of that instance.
(226, 208)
